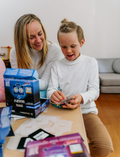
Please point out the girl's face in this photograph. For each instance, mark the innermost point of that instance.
(70, 45)
(36, 38)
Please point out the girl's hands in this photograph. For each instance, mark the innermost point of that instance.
(57, 96)
(75, 102)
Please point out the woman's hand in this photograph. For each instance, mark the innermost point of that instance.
(57, 96)
(74, 102)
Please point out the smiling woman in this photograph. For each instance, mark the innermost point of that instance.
(32, 50)
(35, 35)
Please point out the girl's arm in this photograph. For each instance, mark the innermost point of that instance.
(92, 92)
(53, 82)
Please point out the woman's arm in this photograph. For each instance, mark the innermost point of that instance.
(13, 59)
(54, 54)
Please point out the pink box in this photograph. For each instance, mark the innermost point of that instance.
(70, 145)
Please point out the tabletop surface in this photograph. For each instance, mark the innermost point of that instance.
(66, 114)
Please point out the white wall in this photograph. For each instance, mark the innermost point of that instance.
(100, 20)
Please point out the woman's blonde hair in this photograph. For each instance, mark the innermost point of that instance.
(21, 44)
(68, 26)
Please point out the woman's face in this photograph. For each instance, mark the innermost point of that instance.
(35, 35)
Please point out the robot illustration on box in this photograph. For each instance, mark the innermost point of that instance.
(18, 89)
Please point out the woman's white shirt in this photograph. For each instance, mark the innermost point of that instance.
(54, 53)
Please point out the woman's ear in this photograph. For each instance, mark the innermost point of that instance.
(82, 42)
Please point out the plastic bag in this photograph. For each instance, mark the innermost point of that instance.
(5, 120)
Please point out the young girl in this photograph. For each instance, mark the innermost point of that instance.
(32, 50)
(2, 70)
(77, 77)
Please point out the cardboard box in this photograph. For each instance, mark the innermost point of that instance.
(21, 86)
(31, 112)
(22, 91)
(70, 145)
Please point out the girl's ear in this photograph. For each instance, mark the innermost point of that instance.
(82, 42)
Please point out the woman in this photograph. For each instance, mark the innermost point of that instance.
(32, 50)
(2, 70)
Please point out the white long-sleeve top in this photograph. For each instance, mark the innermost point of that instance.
(76, 77)
(54, 53)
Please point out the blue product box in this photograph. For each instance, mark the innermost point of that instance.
(21, 86)
(43, 93)
(5, 119)
(22, 91)
(31, 112)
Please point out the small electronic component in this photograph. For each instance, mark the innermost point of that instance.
(61, 103)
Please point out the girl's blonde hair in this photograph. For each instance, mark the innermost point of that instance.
(68, 26)
(21, 44)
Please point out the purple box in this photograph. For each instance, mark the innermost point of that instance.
(70, 145)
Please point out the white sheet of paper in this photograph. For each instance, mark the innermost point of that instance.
(52, 124)
(16, 117)
(45, 111)
(13, 142)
